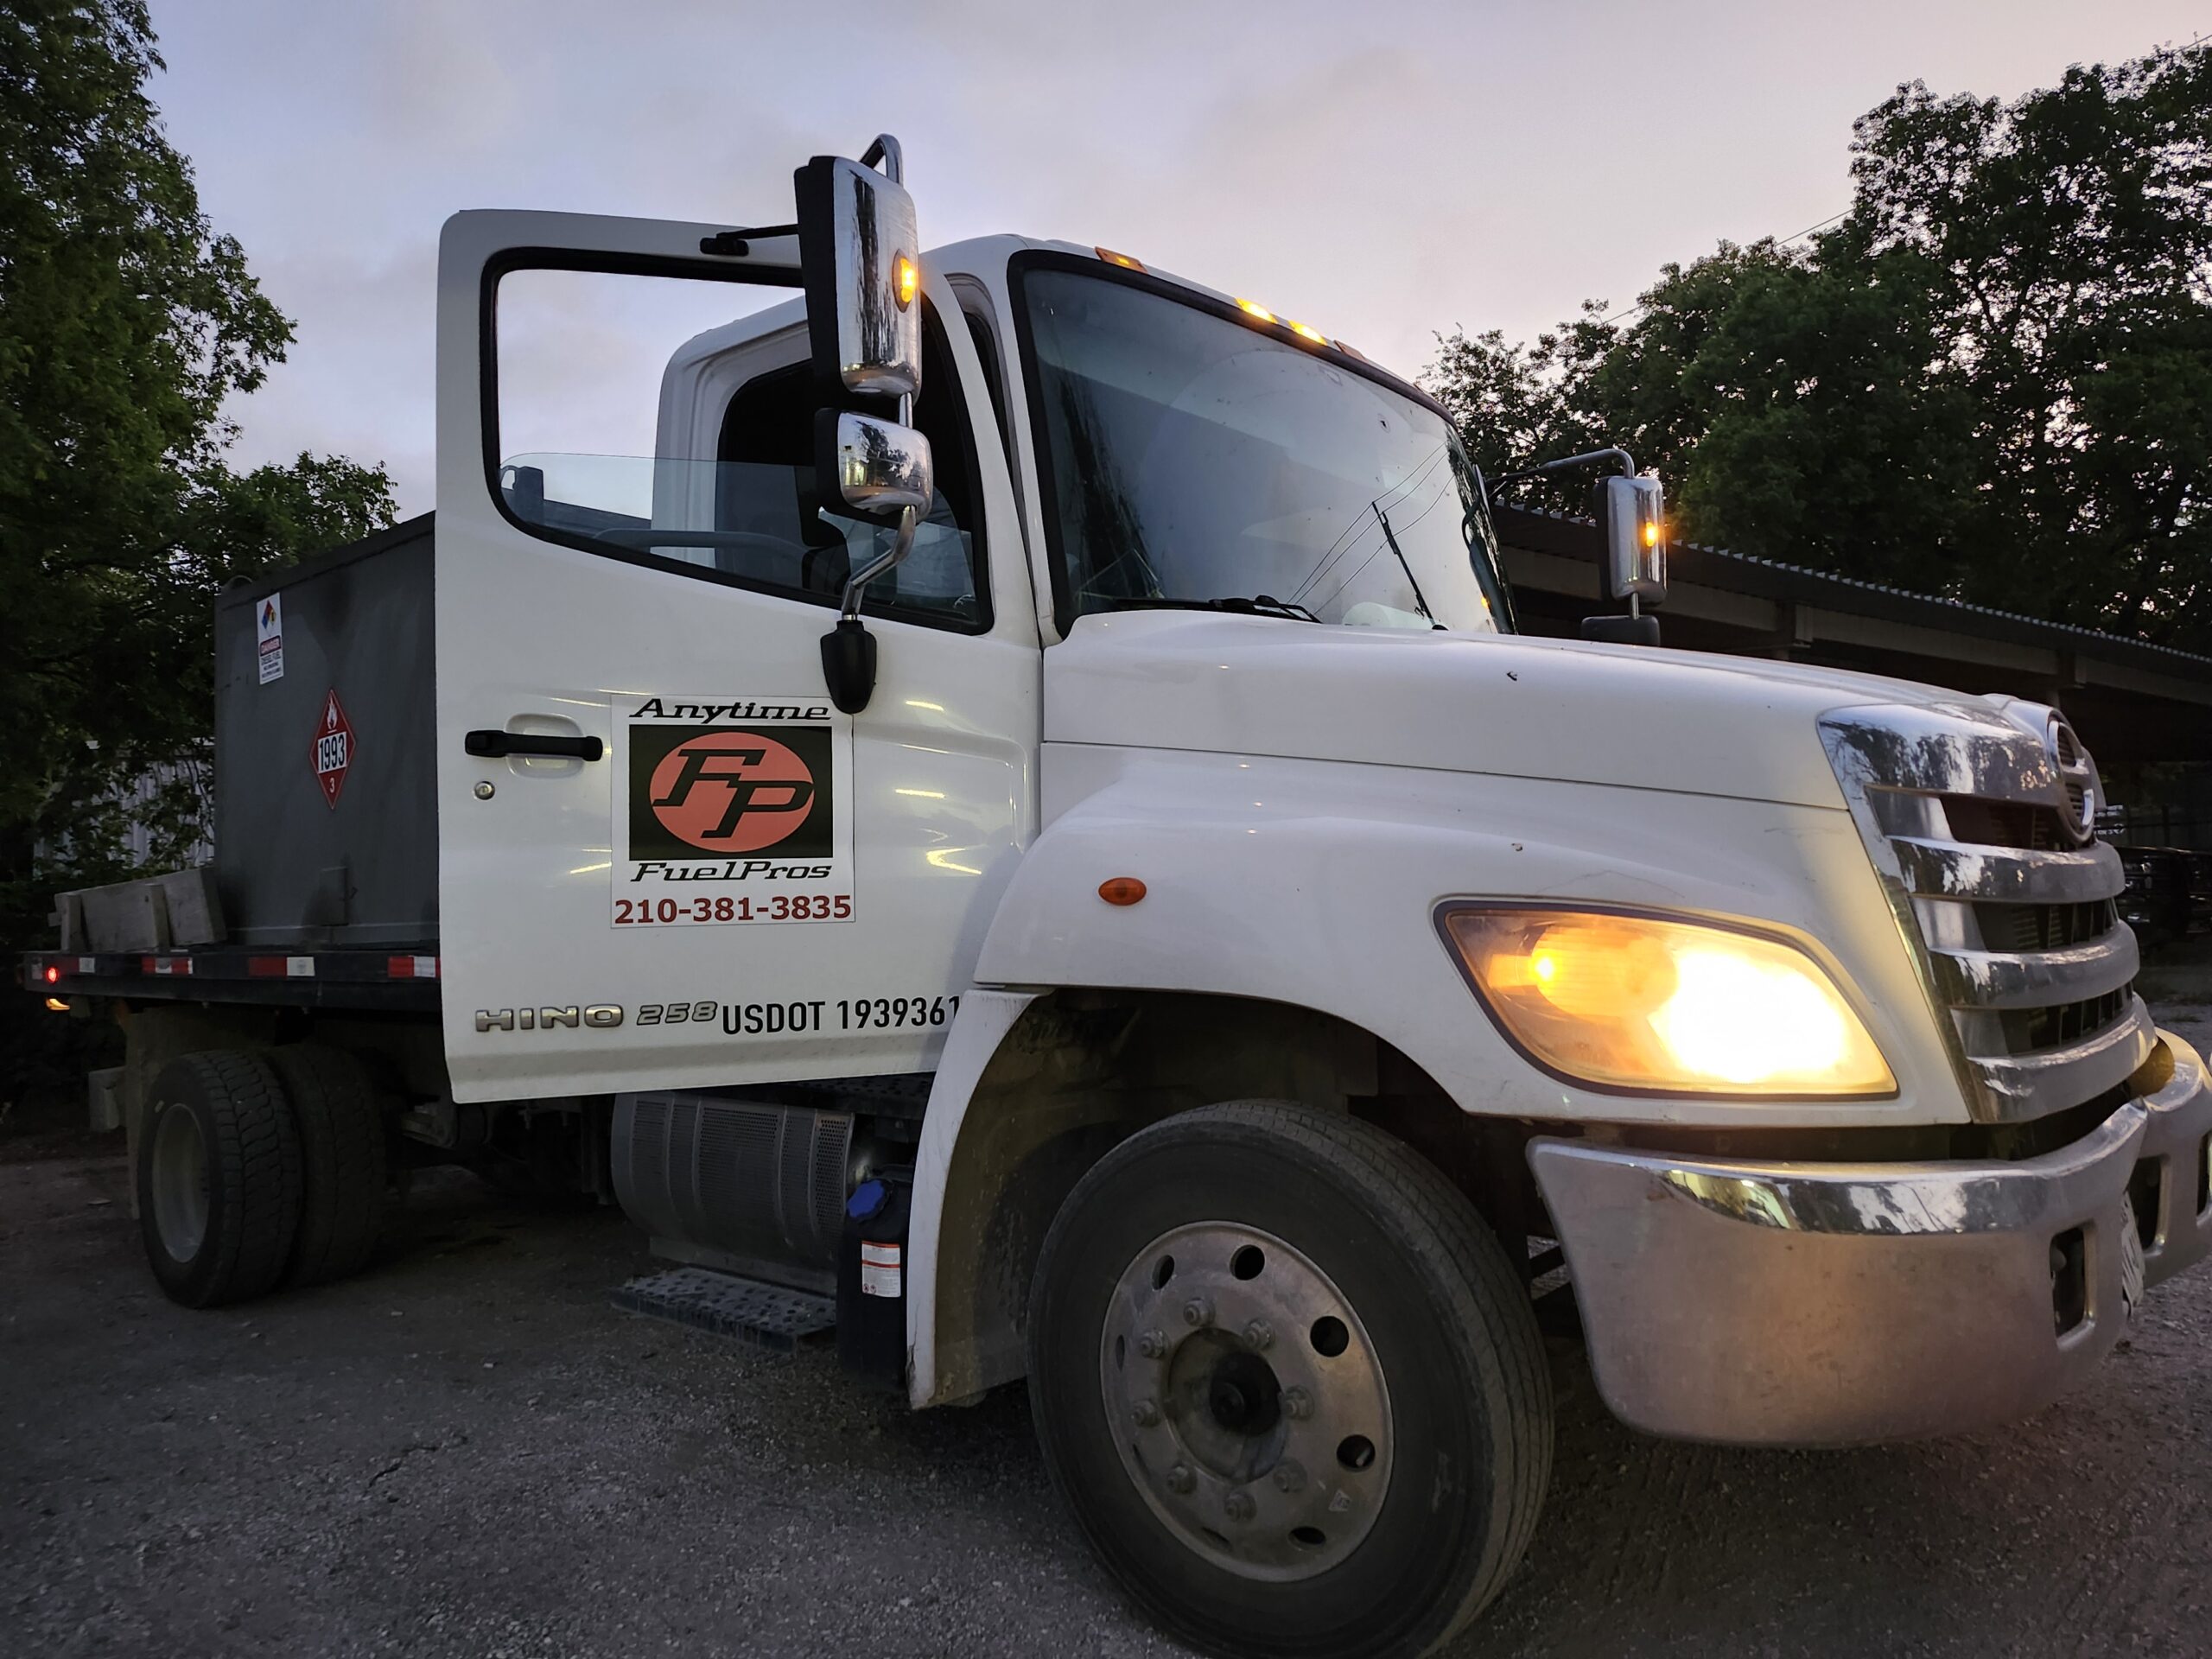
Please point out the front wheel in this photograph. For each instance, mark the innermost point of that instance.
(1290, 1384)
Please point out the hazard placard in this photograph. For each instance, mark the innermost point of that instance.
(334, 747)
(269, 637)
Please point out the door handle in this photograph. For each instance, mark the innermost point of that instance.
(495, 745)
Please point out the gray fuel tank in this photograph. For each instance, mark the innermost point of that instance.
(745, 1186)
(306, 854)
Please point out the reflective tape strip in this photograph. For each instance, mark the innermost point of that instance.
(412, 968)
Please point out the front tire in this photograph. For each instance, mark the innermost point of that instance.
(1290, 1385)
(219, 1179)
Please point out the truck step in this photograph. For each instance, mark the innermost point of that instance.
(748, 1311)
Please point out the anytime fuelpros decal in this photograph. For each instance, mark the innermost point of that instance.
(732, 810)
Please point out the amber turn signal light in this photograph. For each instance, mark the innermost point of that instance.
(1121, 889)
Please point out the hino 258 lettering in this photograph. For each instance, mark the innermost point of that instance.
(1236, 971)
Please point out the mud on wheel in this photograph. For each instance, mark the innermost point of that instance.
(1289, 1384)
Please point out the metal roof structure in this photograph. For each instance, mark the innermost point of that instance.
(2134, 703)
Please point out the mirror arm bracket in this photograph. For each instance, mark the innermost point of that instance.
(902, 541)
(1619, 457)
(886, 149)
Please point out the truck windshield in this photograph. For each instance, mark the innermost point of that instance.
(1192, 459)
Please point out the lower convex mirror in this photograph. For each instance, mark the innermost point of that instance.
(872, 468)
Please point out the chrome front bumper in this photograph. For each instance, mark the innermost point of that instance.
(1833, 1304)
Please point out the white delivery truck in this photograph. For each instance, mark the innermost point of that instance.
(994, 801)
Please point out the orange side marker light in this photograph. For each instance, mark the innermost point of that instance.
(1121, 889)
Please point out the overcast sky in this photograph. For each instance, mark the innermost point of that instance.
(1383, 170)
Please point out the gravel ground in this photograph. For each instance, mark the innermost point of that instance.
(467, 1450)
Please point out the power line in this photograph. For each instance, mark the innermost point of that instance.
(1797, 236)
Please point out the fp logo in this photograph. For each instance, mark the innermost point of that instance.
(724, 790)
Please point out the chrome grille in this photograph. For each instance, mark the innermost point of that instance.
(1981, 830)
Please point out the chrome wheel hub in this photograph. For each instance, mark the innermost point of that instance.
(1246, 1401)
(180, 1183)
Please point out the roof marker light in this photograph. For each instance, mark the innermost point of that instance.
(1253, 308)
(1305, 331)
(1121, 259)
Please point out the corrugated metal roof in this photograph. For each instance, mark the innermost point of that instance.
(1696, 564)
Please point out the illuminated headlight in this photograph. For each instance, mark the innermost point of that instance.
(1635, 1002)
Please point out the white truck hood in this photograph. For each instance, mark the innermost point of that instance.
(1618, 715)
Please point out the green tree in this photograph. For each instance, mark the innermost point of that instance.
(1991, 379)
(125, 323)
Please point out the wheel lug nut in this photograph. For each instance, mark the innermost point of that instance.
(1153, 1344)
(1238, 1506)
(1290, 1477)
(1297, 1404)
(1198, 1311)
(1180, 1480)
(1259, 1334)
(1147, 1413)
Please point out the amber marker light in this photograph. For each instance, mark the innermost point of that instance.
(57, 1005)
(1253, 308)
(1305, 331)
(907, 277)
(1647, 1004)
(1121, 259)
(1651, 532)
(1121, 889)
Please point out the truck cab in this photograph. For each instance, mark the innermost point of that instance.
(1002, 786)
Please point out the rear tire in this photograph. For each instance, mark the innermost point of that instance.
(342, 1158)
(219, 1178)
(1290, 1385)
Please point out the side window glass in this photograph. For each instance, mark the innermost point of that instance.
(666, 422)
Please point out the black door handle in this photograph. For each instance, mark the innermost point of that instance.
(494, 746)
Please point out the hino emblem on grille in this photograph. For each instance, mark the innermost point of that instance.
(2077, 778)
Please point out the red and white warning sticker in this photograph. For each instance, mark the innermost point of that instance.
(269, 637)
(334, 747)
(879, 1268)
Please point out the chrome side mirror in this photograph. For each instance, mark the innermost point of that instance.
(859, 260)
(877, 469)
(860, 263)
(1632, 540)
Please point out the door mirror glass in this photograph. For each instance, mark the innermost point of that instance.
(877, 469)
(1632, 532)
(858, 247)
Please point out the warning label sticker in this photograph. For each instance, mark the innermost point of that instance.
(730, 809)
(269, 637)
(334, 747)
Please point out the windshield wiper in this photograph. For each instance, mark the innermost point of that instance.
(1257, 605)
(1420, 603)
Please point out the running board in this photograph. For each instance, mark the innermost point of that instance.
(747, 1310)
